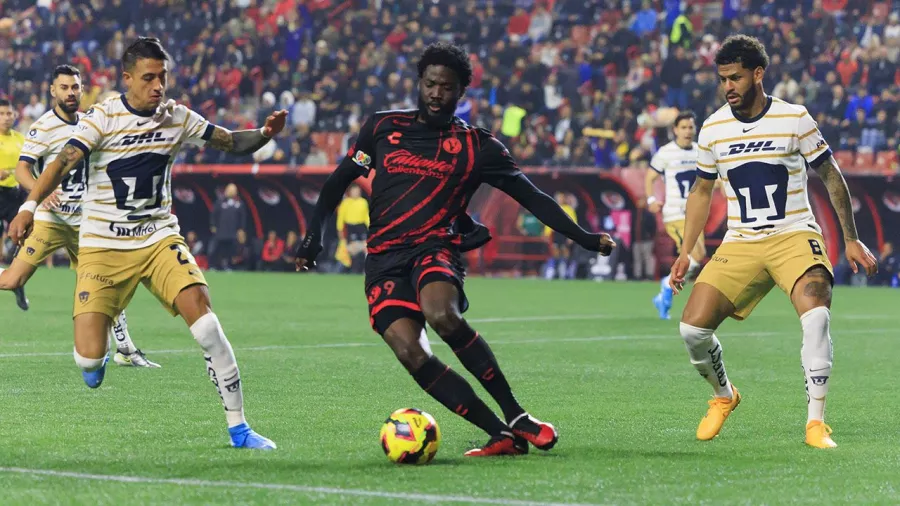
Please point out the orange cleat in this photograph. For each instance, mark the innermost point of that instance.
(540, 434)
(504, 444)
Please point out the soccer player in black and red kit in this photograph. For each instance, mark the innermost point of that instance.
(427, 165)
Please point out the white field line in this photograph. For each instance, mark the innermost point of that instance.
(376, 342)
(301, 489)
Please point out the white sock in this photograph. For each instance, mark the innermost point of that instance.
(693, 267)
(87, 364)
(221, 366)
(816, 356)
(664, 284)
(423, 342)
(120, 335)
(706, 356)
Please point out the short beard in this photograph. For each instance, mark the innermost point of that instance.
(436, 120)
(66, 108)
(747, 100)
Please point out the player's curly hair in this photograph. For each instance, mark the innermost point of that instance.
(453, 57)
(143, 47)
(743, 49)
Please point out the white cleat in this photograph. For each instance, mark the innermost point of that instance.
(136, 359)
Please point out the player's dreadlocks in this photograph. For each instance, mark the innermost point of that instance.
(743, 49)
(453, 57)
(143, 47)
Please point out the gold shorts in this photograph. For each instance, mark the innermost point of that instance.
(46, 238)
(675, 229)
(107, 278)
(745, 271)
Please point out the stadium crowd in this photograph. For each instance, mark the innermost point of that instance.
(562, 82)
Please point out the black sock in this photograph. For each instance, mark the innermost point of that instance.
(452, 390)
(478, 359)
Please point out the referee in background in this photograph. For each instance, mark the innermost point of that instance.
(353, 227)
(11, 196)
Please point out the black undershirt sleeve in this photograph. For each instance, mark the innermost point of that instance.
(499, 170)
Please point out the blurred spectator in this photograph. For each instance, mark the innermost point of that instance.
(228, 216)
(290, 247)
(242, 258)
(238, 60)
(272, 251)
(888, 265)
(644, 266)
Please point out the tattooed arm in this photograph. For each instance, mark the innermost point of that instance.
(840, 196)
(856, 252)
(20, 227)
(54, 172)
(244, 142)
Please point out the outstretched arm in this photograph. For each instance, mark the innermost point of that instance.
(245, 142)
(857, 253)
(499, 170)
(549, 212)
(358, 162)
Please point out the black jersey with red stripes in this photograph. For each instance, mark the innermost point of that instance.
(424, 176)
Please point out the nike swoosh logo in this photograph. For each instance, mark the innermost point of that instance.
(144, 123)
(748, 129)
(817, 370)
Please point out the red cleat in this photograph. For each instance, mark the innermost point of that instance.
(541, 434)
(504, 444)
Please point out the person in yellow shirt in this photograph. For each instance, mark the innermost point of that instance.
(353, 227)
(560, 245)
(11, 196)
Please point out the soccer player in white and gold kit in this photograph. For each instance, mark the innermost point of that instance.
(128, 233)
(676, 163)
(56, 225)
(760, 146)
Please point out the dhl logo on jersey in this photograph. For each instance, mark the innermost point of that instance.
(144, 138)
(738, 148)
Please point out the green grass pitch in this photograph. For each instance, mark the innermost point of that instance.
(590, 357)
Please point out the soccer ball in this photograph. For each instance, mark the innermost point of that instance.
(410, 436)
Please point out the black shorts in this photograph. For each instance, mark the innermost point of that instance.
(560, 239)
(10, 201)
(394, 280)
(356, 233)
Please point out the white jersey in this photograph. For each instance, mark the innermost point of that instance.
(128, 202)
(44, 141)
(678, 166)
(762, 162)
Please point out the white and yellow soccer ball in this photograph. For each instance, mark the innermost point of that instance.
(410, 436)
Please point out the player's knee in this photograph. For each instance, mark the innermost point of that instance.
(444, 321)
(812, 290)
(86, 363)
(411, 355)
(695, 336)
(208, 333)
(816, 323)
